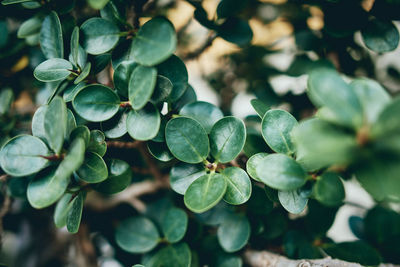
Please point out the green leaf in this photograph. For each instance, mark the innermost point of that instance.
(119, 177)
(174, 225)
(227, 138)
(137, 235)
(339, 101)
(61, 210)
(329, 189)
(357, 251)
(260, 107)
(276, 128)
(281, 172)
(293, 201)
(97, 143)
(83, 132)
(229, 260)
(10, 2)
(6, 99)
(98, 4)
(176, 255)
(187, 140)
(387, 122)
(236, 31)
(205, 192)
(38, 123)
(233, 233)
(55, 124)
(238, 189)
(116, 126)
(141, 85)
(96, 103)
(175, 70)
(74, 45)
(155, 42)
(320, 144)
(252, 163)
(75, 213)
(99, 36)
(143, 124)
(182, 175)
(93, 169)
(372, 96)
(203, 112)
(83, 75)
(160, 151)
(30, 27)
(122, 75)
(380, 36)
(22, 155)
(48, 187)
(162, 90)
(54, 69)
(71, 91)
(229, 8)
(71, 124)
(51, 38)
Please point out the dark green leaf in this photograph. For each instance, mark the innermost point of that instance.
(187, 140)
(51, 39)
(54, 69)
(72, 90)
(329, 189)
(380, 36)
(74, 45)
(293, 201)
(236, 31)
(160, 151)
(233, 233)
(174, 224)
(93, 169)
(238, 189)
(227, 139)
(99, 36)
(38, 123)
(281, 172)
(260, 107)
(205, 192)
(96, 103)
(277, 126)
(141, 85)
(22, 155)
(183, 174)
(162, 90)
(122, 76)
(75, 213)
(119, 177)
(83, 75)
(97, 143)
(137, 235)
(61, 210)
(116, 126)
(143, 124)
(176, 255)
(175, 70)
(205, 113)
(6, 99)
(154, 42)
(55, 124)
(189, 96)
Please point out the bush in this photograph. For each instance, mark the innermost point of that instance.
(121, 152)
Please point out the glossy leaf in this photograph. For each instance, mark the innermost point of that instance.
(51, 38)
(281, 172)
(175, 70)
(38, 123)
(97, 143)
(160, 151)
(119, 177)
(47, 188)
(137, 235)
(238, 189)
(93, 169)
(176, 255)
(380, 35)
(260, 107)
(74, 45)
(182, 175)
(143, 124)
(55, 123)
(227, 138)
(293, 201)
(22, 155)
(203, 112)
(54, 69)
(61, 211)
(187, 140)
(30, 27)
(99, 36)
(162, 90)
(154, 42)
(98, 4)
(96, 103)
(141, 85)
(252, 163)
(277, 126)
(116, 126)
(83, 132)
(233, 233)
(329, 189)
(75, 213)
(387, 122)
(122, 75)
(205, 192)
(174, 224)
(83, 75)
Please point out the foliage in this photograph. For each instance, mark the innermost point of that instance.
(235, 183)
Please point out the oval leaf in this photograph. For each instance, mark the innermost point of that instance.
(119, 177)
(233, 233)
(380, 36)
(182, 175)
(205, 113)
(54, 69)
(50, 38)
(141, 85)
(93, 169)
(99, 35)
(252, 163)
(292, 201)
(238, 189)
(143, 124)
(75, 213)
(174, 224)
(329, 189)
(55, 123)
(175, 70)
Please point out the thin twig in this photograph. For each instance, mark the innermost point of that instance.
(120, 144)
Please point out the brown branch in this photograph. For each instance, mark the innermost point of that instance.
(119, 144)
(196, 53)
(269, 259)
(6, 204)
(151, 163)
(86, 253)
